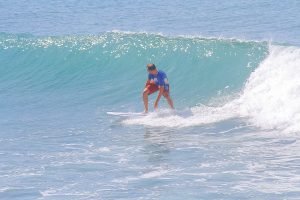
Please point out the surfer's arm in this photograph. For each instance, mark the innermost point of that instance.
(161, 90)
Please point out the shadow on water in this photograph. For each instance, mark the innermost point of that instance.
(158, 144)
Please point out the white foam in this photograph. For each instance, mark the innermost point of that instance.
(154, 174)
(269, 100)
(4, 189)
(102, 150)
(199, 115)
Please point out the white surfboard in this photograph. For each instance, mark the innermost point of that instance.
(126, 114)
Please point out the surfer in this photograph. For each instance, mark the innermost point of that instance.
(157, 81)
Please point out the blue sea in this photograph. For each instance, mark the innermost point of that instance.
(233, 68)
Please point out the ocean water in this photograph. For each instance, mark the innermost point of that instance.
(233, 69)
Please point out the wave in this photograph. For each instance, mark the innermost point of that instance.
(198, 68)
(252, 80)
(269, 99)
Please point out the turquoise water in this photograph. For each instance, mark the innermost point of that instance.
(233, 69)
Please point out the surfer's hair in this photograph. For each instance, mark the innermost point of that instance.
(151, 67)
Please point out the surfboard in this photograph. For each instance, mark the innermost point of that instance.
(126, 114)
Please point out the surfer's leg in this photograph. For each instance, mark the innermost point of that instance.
(145, 99)
(149, 89)
(169, 100)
